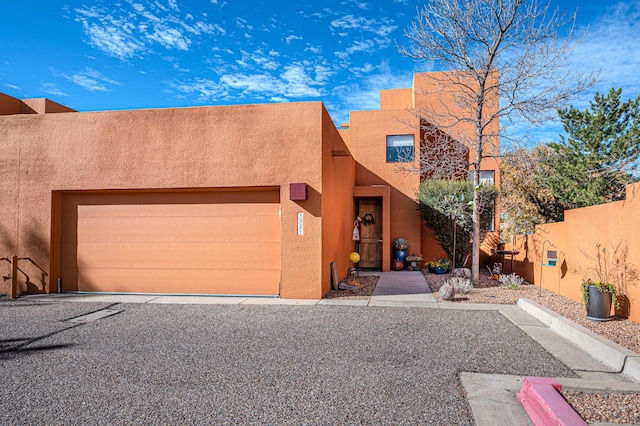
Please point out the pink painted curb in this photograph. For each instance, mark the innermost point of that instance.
(543, 403)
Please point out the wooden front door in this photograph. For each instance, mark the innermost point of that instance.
(370, 211)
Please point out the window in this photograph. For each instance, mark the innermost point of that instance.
(399, 148)
(486, 176)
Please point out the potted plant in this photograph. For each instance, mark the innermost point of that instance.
(400, 245)
(612, 272)
(440, 266)
(598, 297)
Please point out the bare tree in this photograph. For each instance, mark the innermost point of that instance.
(500, 59)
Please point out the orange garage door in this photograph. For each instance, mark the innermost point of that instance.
(213, 242)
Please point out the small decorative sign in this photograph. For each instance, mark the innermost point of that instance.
(300, 223)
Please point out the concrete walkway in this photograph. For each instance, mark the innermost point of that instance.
(402, 288)
(600, 363)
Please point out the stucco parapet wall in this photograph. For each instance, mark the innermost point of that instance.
(13, 106)
(219, 146)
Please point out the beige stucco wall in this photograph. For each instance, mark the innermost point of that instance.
(208, 147)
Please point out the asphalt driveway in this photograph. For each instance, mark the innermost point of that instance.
(251, 364)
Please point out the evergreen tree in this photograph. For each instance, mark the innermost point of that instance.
(599, 156)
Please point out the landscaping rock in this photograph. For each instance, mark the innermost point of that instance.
(462, 272)
(446, 292)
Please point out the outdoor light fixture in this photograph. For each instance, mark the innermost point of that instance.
(297, 191)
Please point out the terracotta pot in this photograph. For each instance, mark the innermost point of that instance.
(398, 265)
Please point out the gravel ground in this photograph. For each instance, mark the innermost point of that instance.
(366, 286)
(619, 408)
(624, 332)
(603, 407)
(241, 364)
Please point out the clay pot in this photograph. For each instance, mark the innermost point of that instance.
(398, 265)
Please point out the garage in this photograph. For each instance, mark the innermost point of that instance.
(192, 242)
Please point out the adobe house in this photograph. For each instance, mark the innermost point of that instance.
(232, 200)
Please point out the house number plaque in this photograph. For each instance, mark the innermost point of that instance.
(300, 223)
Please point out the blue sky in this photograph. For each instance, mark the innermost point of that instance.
(129, 54)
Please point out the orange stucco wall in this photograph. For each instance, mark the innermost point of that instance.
(211, 148)
(207, 147)
(396, 98)
(434, 92)
(338, 175)
(368, 131)
(398, 114)
(10, 105)
(610, 225)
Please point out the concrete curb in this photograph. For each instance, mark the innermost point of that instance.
(610, 354)
(543, 403)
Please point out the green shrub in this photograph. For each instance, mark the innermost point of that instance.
(443, 203)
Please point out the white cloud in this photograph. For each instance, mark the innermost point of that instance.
(611, 46)
(52, 89)
(323, 72)
(243, 23)
(258, 60)
(364, 94)
(358, 46)
(297, 80)
(365, 69)
(91, 80)
(113, 40)
(382, 27)
(316, 50)
(170, 38)
(130, 29)
(292, 37)
(254, 83)
(298, 83)
(205, 89)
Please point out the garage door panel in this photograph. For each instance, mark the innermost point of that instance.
(199, 202)
(176, 229)
(177, 210)
(178, 255)
(243, 281)
(181, 242)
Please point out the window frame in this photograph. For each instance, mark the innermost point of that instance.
(397, 155)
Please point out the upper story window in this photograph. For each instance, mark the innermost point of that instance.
(486, 176)
(399, 148)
